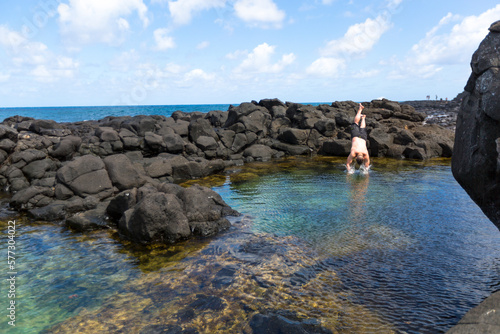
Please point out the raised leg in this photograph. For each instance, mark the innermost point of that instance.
(358, 116)
(363, 123)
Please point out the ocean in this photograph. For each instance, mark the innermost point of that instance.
(77, 114)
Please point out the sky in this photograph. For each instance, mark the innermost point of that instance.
(164, 52)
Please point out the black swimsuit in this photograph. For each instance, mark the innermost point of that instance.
(357, 131)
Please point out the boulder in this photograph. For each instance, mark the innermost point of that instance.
(294, 136)
(27, 156)
(31, 197)
(476, 155)
(271, 104)
(122, 172)
(129, 139)
(235, 114)
(107, 134)
(195, 169)
(89, 220)
(326, 126)
(139, 125)
(205, 210)
(380, 142)
(291, 149)
(86, 176)
(163, 165)
(173, 143)
(6, 132)
(7, 145)
(201, 127)
(66, 148)
(158, 217)
(206, 143)
(217, 118)
(154, 142)
(259, 152)
(38, 168)
(304, 116)
(337, 147)
(121, 203)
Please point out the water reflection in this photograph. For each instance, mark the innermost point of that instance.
(358, 187)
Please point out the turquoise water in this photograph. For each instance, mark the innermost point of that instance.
(406, 240)
(402, 250)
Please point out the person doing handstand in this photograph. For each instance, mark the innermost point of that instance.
(359, 136)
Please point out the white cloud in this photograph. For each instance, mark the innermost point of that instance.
(237, 54)
(445, 45)
(356, 42)
(34, 58)
(259, 60)
(97, 21)
(458, 44)
(203, 45)
(362, 74)
(125, 61)
(11, 40)
(260, 13)
(163, 41)
(58, 68)
(198, 74)
(359, 38)
(326, 67)
(182, 10)
(4, 77)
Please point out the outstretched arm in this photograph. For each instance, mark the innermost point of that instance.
(367, 161)
(349, 161)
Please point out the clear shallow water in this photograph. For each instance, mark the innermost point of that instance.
(403, 250)
(406, 240)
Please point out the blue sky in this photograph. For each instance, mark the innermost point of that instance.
(157, 52)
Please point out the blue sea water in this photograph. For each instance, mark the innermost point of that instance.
(76, 114)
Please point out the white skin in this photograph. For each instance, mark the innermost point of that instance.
(358, 148)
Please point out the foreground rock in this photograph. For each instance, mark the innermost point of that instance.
(476, 160)
(81, 172)
(482, 319)
(169, 213)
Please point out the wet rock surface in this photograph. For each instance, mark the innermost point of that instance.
(56, 171)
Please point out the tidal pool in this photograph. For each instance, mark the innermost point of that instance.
(402, 250)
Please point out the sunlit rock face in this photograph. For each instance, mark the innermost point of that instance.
(476, 156)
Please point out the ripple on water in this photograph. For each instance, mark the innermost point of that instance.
(234, 279)
(400, 250)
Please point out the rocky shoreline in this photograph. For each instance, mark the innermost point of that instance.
(443, 113)
(122, 171)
